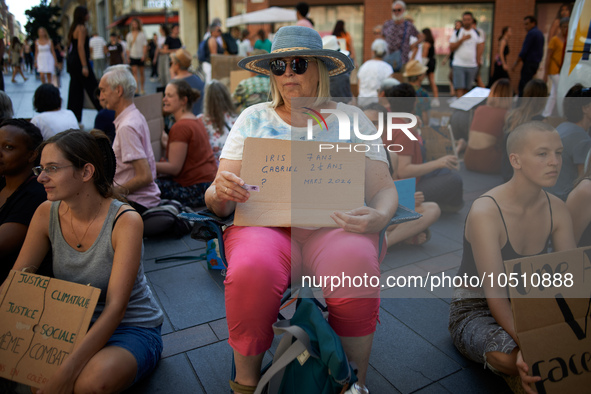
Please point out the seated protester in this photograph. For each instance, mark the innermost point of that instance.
(438, 179)
(516, 219)
(373, 72)
(261, 259)
(579, 207)
(219, 115)
(529, 108)
(414, 72)
(95, 239)
(6, 111)
(574, 134)
(485, 138)
(251, 91)
(180, 62)
(20, 193)
(136, 167)
(52, 118)
(190, 161)
(417, 231)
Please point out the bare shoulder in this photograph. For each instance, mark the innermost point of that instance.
(483, 218)
(582, 191)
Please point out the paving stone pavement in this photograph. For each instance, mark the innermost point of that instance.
(412, 350)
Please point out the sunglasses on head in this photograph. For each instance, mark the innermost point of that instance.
(298, 65)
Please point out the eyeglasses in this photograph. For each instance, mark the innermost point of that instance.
(48, 170)
(298, 65)
(397, 10)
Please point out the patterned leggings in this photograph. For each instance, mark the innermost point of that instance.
(192, 196)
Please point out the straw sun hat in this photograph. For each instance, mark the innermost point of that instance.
(302, 42)
(414, 68)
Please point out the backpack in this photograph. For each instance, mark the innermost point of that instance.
(310, 357)
(230, 44)
(164, 219)
(203, 51)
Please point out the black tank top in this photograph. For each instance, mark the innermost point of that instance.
(468, 265)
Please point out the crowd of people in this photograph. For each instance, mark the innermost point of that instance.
(60, 187)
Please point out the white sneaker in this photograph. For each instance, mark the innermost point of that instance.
(435, 103)
(357, 389)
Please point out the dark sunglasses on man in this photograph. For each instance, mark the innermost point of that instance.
(299, 66)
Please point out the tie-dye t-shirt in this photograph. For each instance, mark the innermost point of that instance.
(261, 121)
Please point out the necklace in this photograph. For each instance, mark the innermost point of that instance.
(79, 242)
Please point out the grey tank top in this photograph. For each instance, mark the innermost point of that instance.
(94, 265)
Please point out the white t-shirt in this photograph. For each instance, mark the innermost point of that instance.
(371, 74)
(98, 47)
(261, 121)
(136, 50)
(465, 55)
(52, 122)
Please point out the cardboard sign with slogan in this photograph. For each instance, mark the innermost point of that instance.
(42, 320)
(300, 185)
(552, 318)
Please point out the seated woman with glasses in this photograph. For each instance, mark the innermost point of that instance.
(20, 193)
(95, 239)
(260, 259)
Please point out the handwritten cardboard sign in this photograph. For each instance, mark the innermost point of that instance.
(553, 321)
(299, 185)
(41, 321)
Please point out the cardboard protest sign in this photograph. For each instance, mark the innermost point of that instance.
(41, 322)
(299, 185)
(552, 316)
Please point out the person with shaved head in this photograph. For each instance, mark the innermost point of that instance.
(513, 220)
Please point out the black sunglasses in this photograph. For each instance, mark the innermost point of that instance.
(298, 65)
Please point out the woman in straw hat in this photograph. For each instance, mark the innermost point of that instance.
(260, 258)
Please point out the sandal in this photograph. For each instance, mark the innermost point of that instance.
(415, 240)
(240, 388)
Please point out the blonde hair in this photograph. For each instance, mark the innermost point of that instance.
(322, 93)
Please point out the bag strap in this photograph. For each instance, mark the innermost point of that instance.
(274, 374)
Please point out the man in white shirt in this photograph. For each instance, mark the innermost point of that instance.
(467, 48)
(97, 54)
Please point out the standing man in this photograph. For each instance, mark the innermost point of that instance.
(531, 53)
(397, 32)
(467, 49)
(136, 167)
(97, 54)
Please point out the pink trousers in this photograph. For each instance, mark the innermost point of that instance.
(260, 262)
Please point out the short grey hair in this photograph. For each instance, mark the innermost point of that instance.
(120, 75)
(399, 2)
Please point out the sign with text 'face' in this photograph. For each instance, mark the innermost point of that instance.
(552, 316)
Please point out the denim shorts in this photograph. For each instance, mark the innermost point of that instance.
(464, 77)
(144, 343)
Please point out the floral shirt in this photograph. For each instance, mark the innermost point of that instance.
(218, 139)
